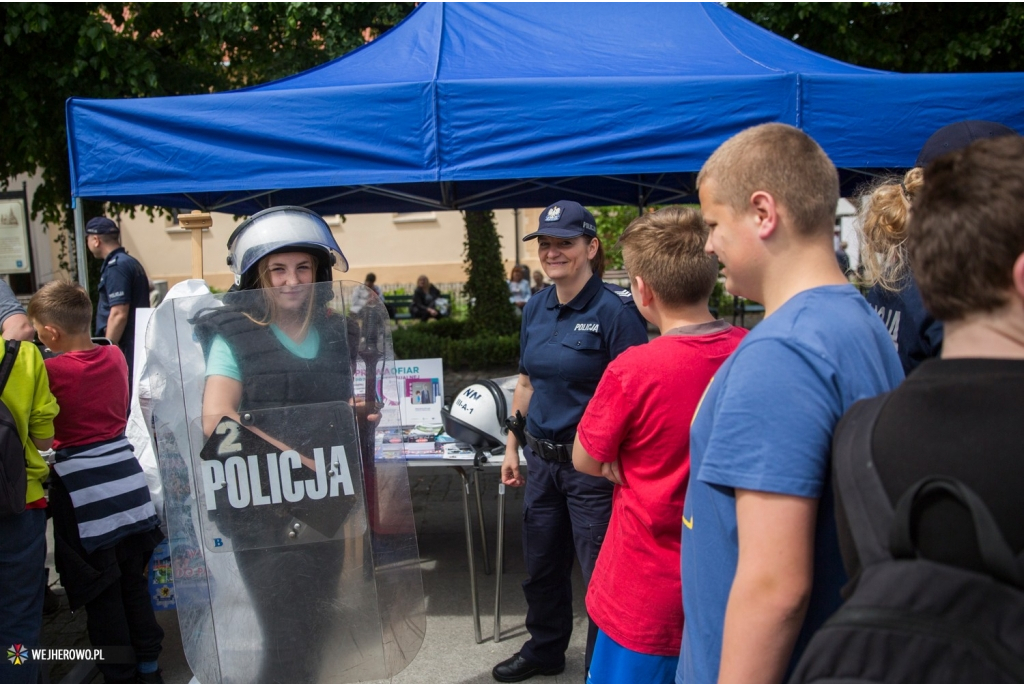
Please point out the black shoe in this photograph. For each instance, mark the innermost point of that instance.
(518, 668)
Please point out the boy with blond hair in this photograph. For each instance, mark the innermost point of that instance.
(635, 433)
(760, 560)
(105, 525)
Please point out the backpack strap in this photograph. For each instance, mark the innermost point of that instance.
(11, 349)
(867, 506)
(996, 553)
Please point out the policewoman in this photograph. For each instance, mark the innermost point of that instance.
(279, 363)
(569, 335)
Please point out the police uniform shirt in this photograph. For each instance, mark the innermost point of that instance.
(122, 281)
(566, 347)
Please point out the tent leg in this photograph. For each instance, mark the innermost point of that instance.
(83, 269)
(515, 238)
(467, 521)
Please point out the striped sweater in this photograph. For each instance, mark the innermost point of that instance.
(108, 490)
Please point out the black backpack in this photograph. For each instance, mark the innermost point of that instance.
(911, 619)
(13, 479)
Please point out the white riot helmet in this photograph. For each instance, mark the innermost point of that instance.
(477, 416)
(282, 229)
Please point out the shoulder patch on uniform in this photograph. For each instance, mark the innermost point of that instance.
(112, 261)
(622, 293)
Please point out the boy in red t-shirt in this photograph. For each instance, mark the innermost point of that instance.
(105, 525)
(635, 432)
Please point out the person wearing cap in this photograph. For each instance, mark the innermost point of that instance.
(123, 287)
(277, 353)
(956, 419)
(885, 210)
(569, 335)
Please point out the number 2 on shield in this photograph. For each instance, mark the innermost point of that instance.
(230, 444)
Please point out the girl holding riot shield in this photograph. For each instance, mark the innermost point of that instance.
(277, 414)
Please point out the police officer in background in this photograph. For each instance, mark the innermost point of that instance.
(123, 287)
(569, 335)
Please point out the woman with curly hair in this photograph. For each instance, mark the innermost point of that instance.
(884, 219)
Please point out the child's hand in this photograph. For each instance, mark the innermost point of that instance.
(612, 472)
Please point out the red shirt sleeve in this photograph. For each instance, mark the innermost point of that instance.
(605, 422)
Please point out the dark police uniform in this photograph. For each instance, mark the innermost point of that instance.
(122, 281)
(916, 333)
(564, 351)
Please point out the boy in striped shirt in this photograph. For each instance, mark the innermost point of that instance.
(105, 525)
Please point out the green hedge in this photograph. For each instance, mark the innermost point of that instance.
(445, 339)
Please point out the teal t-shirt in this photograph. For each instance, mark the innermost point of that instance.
(221, 359)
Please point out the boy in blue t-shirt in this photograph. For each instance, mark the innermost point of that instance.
(760, 560)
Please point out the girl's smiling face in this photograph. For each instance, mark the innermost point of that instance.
(287, 273)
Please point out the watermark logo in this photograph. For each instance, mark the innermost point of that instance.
(17, 654)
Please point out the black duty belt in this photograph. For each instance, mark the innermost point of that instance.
(550, 451)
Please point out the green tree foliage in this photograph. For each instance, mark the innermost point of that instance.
(51, 52)
(901, 36)
(611, 222)
(490, 311)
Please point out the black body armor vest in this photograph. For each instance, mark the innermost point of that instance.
(301, 402)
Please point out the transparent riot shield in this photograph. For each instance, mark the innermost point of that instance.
(291, 530)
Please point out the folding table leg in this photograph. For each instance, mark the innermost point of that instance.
(480, 519)
(498, 565)
(467, 520)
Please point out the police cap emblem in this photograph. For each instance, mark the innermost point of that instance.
(553, 214)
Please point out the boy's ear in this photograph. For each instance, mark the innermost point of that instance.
(766, 213)
(53, 332)
(642, 292)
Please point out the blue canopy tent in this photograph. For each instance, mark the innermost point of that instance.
(475, 106)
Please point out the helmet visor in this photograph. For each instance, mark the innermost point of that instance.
(278, 228)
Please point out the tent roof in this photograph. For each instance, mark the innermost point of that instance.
(512, 105)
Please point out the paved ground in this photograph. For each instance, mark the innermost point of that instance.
(449, 652)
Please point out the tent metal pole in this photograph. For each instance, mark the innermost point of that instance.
(673, 198)
(515, 238)
(539, 184)
(397, 194)
(83, 270)
(225, 202)
(486, 195)
(582, 193)
(313, 203)
(647, 184)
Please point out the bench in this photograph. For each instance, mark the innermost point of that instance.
(398, 306)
